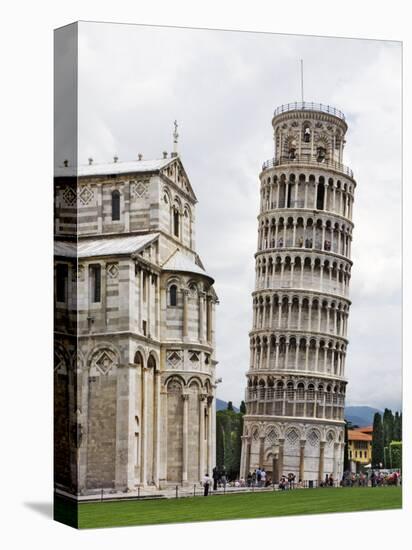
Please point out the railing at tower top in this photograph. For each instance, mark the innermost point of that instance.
(308, 106)
(307, 160)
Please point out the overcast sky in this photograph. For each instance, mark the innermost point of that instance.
(222, 87)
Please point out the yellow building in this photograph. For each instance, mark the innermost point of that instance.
(360, 445)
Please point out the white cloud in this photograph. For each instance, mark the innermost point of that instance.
(223, 87)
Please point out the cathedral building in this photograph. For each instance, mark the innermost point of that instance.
(296, 381)
(134, 329)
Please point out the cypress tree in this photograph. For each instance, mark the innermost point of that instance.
(220, 442)
(237, 445)
(388, 425)
(346, 463)
(243, 407)
(230, 406)
(377, 441)
(397, 427)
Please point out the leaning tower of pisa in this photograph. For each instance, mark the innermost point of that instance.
(296, 381)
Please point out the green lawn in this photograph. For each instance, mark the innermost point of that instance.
(236, 506)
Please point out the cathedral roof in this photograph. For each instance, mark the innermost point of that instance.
(180, 262)
(103, 247)
(106, 168)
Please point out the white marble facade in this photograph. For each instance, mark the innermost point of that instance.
(134, 329)
(296, 381)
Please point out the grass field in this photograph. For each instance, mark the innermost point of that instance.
(238, 506)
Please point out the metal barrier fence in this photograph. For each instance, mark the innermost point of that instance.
(197, 490)
(308, 106)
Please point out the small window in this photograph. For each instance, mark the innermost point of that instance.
(176, 222)
(95, 277)
(144, 328)
(61, 282)
(321, 154)
(115, 206)
(173, 295)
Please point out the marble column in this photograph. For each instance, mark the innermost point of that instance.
(281, 454)
(210, 457)
(202, 400)
(209, 319)
(185, 294)
(156, 427)
(201, 316)
(185, 456)
(144, 432)
(321, 460)
(261, 450)
(302, 460)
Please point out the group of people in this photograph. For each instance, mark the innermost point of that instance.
(260, 478)
(372, 479)
(329, 481)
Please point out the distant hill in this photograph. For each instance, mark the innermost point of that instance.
(361, 415)
(222, 405)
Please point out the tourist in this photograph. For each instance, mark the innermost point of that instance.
(249, 479)
(258, 476)
(331, 480)
(215, 476)
(206, 483)
(263, 477)
(223, 478)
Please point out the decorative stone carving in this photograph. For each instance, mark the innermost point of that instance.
(86, 195)
(112, 270)
(69, 196)
(139, 189)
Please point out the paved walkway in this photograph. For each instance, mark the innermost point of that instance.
(168, 492)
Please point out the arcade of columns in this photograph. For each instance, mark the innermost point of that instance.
(296, 381)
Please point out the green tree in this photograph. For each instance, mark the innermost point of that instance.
(229, 428)
(397, 427)
(377, 441)
(230, 406)
(346, 463)
(395, 453)
(220, 443)
(388, 424)
(242, 407)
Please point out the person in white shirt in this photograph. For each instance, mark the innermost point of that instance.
(206, 483)
(263, 477)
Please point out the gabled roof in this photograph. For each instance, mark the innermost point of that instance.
(180, 262)
(89, 248)
(119, 167)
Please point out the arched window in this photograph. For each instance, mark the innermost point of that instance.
(175, 222)
(320, 197)
(173, 295)
(115, 205)
(321, 154)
